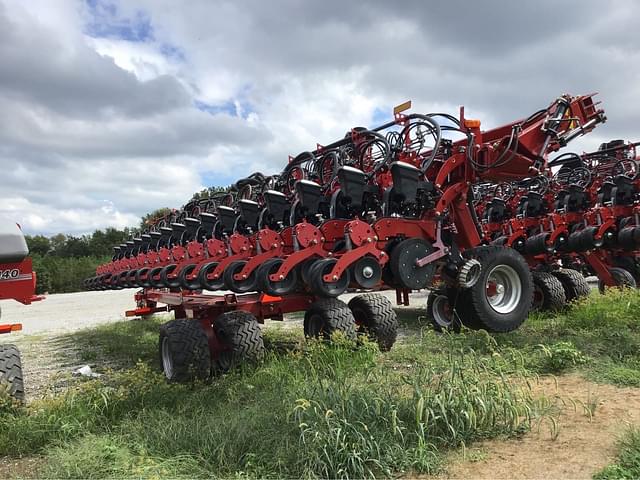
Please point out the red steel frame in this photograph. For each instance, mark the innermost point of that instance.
(19, 285)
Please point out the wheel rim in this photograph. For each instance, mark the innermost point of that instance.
(442, 311)
(503, 289)
(167, 361)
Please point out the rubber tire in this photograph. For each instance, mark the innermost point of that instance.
(622, 277)
(376, 318)
(11, 371)
(553, 296)
(240, 332)
(189, 349)
(629, 264)
(333, 315)
(455, 324)
(327, 290)
(574, 284)
(239, 286)
(185, 283)
(275, 289)
(473, 305)
(211, 285)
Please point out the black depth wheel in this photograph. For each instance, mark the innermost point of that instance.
(155, 283)
(184, 351)
(210, 284)
(193, 284)
(367, 272)
(327, 289)
(142, 277)
(280, 287)
(241, 336)
(166, 280)
(376, 318)
(441, 313)
(239, 286)
(329, 315)
(622, 277)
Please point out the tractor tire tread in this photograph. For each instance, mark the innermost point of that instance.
(189, 348)
(574, 284)
(552, 289)
(11, 371)
(383, 326)
(472, 302)
(337, 315)
(240, 331)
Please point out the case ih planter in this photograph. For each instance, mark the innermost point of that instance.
(383, 208)
(17, 282)
(581, 212)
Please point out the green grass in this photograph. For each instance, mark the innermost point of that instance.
(627, 464)
(316, 410)
(322, 411)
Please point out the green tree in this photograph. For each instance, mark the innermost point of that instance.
(151, 218)
(38, 244)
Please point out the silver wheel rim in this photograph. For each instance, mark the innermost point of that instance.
(503, 289)
(167, 362)
(440, 308)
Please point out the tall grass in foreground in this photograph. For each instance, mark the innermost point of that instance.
(328, 411)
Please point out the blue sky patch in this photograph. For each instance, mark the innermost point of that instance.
(233, 107)
(107, 21)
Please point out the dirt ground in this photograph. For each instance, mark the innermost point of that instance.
(584, 444)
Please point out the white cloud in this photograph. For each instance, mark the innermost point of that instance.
(98, 130)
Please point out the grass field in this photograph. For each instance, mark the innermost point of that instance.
(324, 411)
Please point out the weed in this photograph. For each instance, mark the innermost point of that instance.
(627, 465)
(560, 356)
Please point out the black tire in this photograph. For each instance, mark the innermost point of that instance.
(622, 277)
(323, 289)
(439, 311)
(207, 284)
(11, 371)
(495, 316)
(241, 335)
(184, 351)
(629, 264)
(194, 283)
(375, 317)
(574, 284)
(329, 315)
(548, 292)
(239, 286)
(164, 277)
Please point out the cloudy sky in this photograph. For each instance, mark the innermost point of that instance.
(112, 108)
